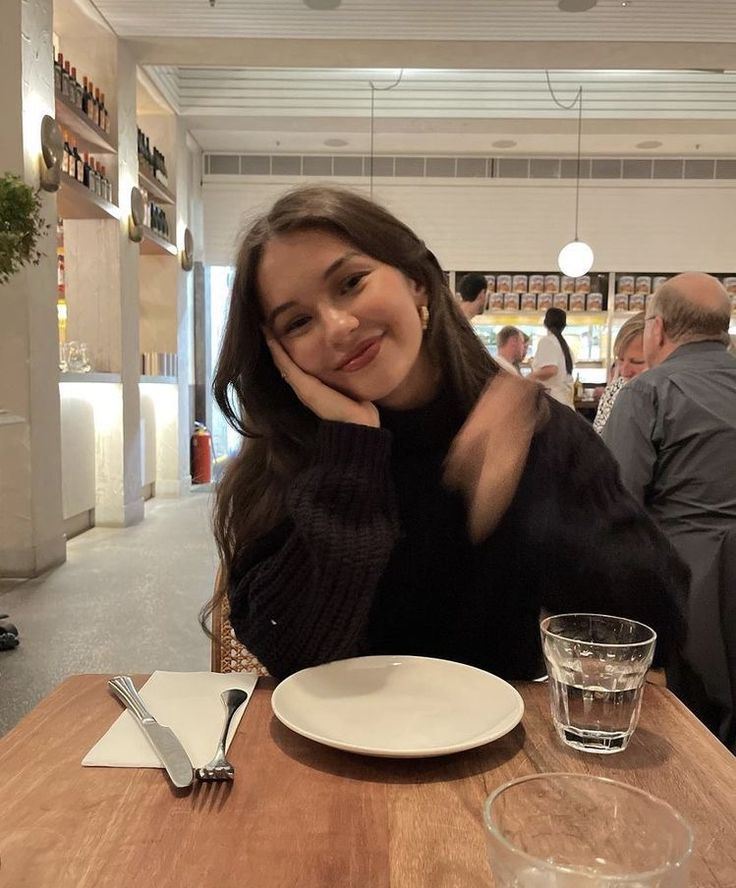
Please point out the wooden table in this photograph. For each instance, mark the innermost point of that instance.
(301, 814)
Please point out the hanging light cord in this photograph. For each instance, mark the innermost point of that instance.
(373, 107)
(577, 173)
(578, 100)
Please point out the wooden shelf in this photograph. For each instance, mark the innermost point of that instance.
(156, 190)
(155, 244)
(158, 380)
(90, 137)
(77, 202)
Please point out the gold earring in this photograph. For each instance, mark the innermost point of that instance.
(424, 316)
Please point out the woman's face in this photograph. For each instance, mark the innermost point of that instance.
(631, 361)
(346, 318)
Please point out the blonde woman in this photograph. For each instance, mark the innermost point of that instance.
(628, 351)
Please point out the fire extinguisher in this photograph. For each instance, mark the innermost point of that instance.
(201, 452)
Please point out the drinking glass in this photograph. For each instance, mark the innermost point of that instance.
(578, 831)
(597, 667)
(74, 358)
(84, 359)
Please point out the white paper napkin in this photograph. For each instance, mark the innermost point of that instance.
(188, 703)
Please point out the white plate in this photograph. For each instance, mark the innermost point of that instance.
(405, 707)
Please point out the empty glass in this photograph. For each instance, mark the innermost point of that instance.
(577, 831)
(597, 667)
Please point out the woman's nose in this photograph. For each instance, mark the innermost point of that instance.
(339, 323)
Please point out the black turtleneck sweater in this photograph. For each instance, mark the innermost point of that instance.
(375, 556)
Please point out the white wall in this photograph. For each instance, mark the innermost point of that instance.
(518, 224)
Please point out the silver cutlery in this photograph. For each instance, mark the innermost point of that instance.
(162, 739)
(220, 768)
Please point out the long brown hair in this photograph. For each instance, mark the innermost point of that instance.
(279, 432)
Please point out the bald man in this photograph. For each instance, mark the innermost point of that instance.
(673, 432)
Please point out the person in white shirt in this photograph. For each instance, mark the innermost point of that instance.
(511, 348)
(552, 364)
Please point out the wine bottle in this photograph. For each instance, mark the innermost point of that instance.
(66, 81)
(72, 159)
(85, 96)
(91, 101)
(106, 185)
(76, 89)
(79, 167)
(578, 388)
(96, 117)
(58, 66)
(104, 116)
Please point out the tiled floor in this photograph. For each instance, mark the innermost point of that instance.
(126, 600)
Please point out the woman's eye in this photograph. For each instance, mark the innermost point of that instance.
(295, 324)
(350, 283)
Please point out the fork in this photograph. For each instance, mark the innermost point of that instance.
(220, 768)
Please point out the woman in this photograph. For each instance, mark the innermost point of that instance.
(628, 350)
(552, 364)
(395, 492)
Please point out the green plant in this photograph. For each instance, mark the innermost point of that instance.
(21, 225)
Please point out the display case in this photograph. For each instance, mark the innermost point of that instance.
(597, 306)
(520, 299)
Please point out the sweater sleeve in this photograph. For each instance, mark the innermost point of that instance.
(600, 551)
(302, 595)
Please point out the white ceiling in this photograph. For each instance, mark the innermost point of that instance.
(276, 76)
(458, 112)
(236, 92)
(497, 20)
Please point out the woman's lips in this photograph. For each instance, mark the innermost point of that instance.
(363, 356)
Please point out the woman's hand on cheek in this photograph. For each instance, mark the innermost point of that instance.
(325, 402)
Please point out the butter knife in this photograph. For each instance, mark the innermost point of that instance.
(164, 741)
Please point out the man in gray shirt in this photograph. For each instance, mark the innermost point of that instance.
(673, 433)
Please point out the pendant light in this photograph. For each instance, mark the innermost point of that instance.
(373, 117)
(575, 258)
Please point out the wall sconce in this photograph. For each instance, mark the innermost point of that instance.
(137, 215)
(187, 254)
(52, 149)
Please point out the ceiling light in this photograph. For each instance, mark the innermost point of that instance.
(335, 143)
(322, 4)
(649, 143)
(576, 5)
(504, 143)
(575, 258)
